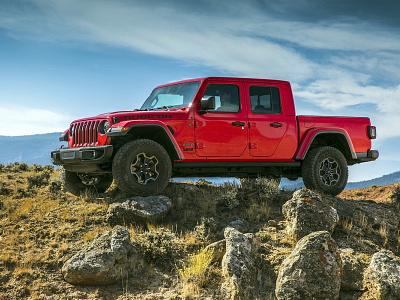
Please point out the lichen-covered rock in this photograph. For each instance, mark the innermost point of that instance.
(353, 270)
(306, 213)
(104, 261)
(219, 249)
(139, 210)
(382, 277)
(312, 270)
(239, 224)
(238, 266)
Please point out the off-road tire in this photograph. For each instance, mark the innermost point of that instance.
(133, 177)
(74, 184)
(325, 170)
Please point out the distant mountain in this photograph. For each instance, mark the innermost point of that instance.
(384, 180)
(30, 149)
(35, 149)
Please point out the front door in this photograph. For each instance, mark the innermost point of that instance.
(222, 132)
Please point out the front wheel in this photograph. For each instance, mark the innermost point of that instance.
(325, 170)
(78, 183)
(142, 167)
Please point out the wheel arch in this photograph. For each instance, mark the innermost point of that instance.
(338, 139)
(159, 133)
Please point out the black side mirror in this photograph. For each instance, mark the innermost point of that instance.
(207, 104)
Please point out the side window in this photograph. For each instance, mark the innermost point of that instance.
(265, 99)
(226, 97)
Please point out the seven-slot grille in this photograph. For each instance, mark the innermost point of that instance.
(85, 133)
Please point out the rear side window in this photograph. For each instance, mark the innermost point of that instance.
(265, 99)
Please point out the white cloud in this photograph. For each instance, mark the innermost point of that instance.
(25, 121)
(341, 94)
(162, 31)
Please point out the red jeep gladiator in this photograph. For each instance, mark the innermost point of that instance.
(214, 126)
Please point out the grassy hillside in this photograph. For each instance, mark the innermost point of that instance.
(41, 227)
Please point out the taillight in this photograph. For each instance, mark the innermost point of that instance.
(372, 132)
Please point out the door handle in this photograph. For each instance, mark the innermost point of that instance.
(238, 123)
(276, 124)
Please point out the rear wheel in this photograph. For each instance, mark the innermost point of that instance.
(77, 183)
(325, 170)
(142, 167)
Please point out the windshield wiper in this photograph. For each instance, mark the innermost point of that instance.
(158, 108)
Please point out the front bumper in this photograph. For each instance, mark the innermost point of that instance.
(84, 159)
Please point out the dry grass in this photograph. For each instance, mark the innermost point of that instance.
(39, 224)
(347, 225)
(194, 273)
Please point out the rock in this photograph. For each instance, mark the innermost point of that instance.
(382, 277)
(104, 261)
(219, 248)
(306, 213)
(239, 224)
(139, 210)
(272, 223)
(238, 267)
(353, 271)
(312, 270)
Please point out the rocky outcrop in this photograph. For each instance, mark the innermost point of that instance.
(139, 210)
(238, 266)
(306, 213)
(312, 270)
(104, 261)
(382, 277)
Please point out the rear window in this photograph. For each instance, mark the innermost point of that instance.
(265, 99)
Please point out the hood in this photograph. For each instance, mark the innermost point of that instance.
(159, 114)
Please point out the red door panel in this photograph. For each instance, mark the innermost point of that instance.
(267, 122)
(222, 132)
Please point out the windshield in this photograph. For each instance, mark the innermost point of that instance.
(177, 95)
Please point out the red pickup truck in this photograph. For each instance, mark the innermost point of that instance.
(214, 126)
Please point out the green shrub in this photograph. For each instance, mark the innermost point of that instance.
(161, 247)
(17, 167)
(4, 190)
(39, 180)
(36, 168)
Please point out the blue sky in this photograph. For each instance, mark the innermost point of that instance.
(62, 60)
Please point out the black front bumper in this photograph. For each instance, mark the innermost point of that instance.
(84, 159)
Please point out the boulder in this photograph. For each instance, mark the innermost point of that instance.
(382, 277)
(238, 267)
(312, 270)
(239, 224)
(104, 261)
(353, 270)
(138, 210)
(219, 249)
(306, 213)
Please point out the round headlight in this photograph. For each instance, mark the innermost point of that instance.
(104, 126)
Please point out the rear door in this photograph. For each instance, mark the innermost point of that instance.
(222, 132)
(267, 122)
